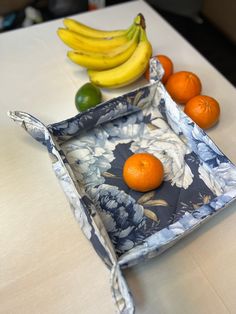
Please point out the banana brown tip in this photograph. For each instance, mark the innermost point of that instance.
(142, 21)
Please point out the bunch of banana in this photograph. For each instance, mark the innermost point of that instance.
(127, 72)
(113, 58)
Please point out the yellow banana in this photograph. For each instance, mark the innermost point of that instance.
(77, 41)
(128, 71)
(102, 61)
(88, 31)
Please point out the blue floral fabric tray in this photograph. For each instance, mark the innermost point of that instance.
(88, 152)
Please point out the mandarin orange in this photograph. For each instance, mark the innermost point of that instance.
(167, 65)
(143, 172)
(183, 85)
(204, 110)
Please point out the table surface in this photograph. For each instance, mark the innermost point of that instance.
(47, 265)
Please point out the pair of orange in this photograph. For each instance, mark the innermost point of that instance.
(185, 88)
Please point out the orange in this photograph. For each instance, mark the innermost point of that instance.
(143, 172)
(167, 65)
(183, 85)
(203, 110)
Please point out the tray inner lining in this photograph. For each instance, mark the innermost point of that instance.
(97, 157)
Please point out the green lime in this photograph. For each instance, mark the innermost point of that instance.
(87, 96)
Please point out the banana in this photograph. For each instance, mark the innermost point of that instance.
(127, 72)
(102, 61)
(85, 30)
(88, 31)
(77, 41)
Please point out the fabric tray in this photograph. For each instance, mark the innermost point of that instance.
(125, 227)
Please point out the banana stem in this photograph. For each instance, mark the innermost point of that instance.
(138, 21)
(132, 31)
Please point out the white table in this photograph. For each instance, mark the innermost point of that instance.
(46, 264)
